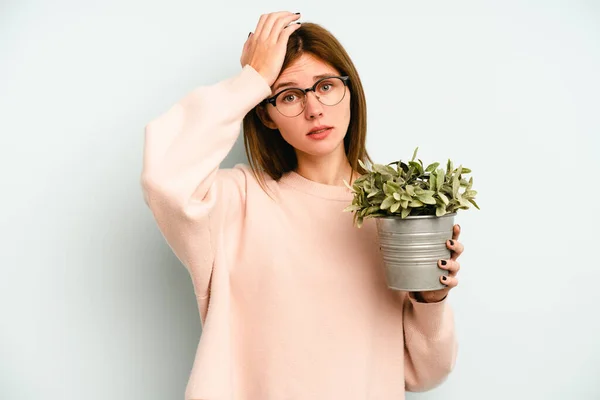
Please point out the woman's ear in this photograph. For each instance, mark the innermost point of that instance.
(264, 117)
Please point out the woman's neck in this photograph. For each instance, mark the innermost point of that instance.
(329, 170)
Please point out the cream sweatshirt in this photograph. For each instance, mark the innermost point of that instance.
(292, 297)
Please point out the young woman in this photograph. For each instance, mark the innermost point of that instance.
(292, 297)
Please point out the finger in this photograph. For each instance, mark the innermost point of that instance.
(269, 25)
(451, 266)
(456, 247)
(286, 33)
(282, 23)
(456, 232)
(260, 24)
(449, 281)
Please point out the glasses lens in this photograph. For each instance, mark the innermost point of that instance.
(329, 92)
(290, 102)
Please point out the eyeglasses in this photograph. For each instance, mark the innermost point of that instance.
(291, 102)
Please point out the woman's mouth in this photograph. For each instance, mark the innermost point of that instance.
(320, 134)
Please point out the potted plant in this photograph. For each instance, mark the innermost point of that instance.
(414, 207)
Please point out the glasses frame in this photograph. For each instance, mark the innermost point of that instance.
(272, 100)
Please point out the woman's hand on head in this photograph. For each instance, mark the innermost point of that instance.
(266, 46)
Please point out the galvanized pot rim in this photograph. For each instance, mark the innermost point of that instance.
(417, 216)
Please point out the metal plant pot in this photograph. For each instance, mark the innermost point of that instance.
(411, 248)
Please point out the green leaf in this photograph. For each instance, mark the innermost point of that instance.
(371, 210)
(397, 196)
(387, 190)
(470, 193)
(417, 167)
(432, 167)
(362, 164)
(395, 207)
(373, 194)
(415, 154)
(393, 185)
(384, 169)
(348, 185)
(444, 198)
(416, 203)
(404, 203)
(432, 181)
(405, 212)
(455, 185)
(352, 208)
(466, 170)
(441, 177)
(405, 196)
(427, 199)
(440, 211)
(410, 190)
(475, 204)
(387, 203)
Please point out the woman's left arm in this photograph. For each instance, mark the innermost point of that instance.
(429, 334)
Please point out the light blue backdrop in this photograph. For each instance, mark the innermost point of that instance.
(93, 304)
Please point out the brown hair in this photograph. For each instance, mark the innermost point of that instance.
(270, 152)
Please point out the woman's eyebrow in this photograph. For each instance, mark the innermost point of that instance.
(292, 83)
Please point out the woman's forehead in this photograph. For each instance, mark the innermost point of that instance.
(305, 70)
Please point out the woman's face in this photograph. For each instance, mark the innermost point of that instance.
(295, 130)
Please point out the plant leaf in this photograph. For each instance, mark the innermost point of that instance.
(440, 210)
(387, 203)
(415, 154)
(427, 199)
(397, 196)
(432, 167)
(405, 213)
(455, 185)
(395, 207)
(444, 198)
(352, 208)
(441, 177)
(362, 164)
(415, 203)
(475, 204)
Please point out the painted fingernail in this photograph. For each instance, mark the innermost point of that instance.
(297, 13)
(444, 277)
(250, 33)
(443, 262)
(452, 243)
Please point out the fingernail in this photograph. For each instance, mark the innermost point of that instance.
(297, 13)
(452, 243)
(443, 262)
(444, 277)
(298, 23)
(250, 33)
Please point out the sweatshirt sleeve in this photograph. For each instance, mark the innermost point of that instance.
(430, 343)
(181, 181)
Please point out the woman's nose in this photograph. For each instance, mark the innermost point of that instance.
(314, 108)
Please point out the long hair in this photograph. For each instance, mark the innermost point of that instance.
(266, 149)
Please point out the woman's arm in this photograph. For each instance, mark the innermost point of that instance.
(430, 343)
(182, 152)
